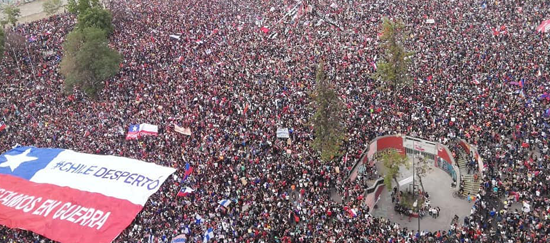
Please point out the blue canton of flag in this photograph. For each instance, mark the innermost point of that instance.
(133, 132)
(134, 128)
(24, 162)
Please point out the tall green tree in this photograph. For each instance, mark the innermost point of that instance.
(328, 118)
(80, 6)
(96, 17)
(88, 61)
(72, 6)
(2, 42)
(394, 67)
(392, 160)
(422, 168)
(52, 6)
(11, 15)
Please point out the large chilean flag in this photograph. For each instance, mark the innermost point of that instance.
(74, 197)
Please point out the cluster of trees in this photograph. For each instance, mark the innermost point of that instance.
(88, 60)
(392, 70)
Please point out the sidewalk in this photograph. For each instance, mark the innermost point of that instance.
(33, 11)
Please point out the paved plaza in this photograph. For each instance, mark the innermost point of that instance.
(438, 185)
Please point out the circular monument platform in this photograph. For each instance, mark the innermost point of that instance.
(437, 183)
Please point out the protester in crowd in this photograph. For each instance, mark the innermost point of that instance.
(479, 72)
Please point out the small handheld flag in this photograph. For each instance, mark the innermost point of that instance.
(185, 191)
(198, 219)
(209, 234)
(224, 202)
(188, 171)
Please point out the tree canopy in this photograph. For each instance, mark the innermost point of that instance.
(392, 160)
(80, 6)
(88, 61)
(423, 168)
(51, 7)
(394, 67)
(96, 17)
(11, 14)
(327, 120)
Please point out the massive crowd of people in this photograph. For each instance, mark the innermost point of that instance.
(479, 72)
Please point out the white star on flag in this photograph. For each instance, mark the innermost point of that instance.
(14, 161)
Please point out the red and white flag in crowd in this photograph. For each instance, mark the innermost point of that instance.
(352, 212)
(135, 131)
(74, 197)
(185, 191)
(264, 29)
(182, 130)
(2, 126)
(544, 26)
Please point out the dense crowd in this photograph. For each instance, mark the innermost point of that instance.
(478, 73)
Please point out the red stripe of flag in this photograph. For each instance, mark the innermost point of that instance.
(62, 213)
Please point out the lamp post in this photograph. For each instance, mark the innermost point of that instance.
(414, 177)
(414, 189)
(414, 186)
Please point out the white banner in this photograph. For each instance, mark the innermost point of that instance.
(283, 133)
(420, 145)
(118, 177)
